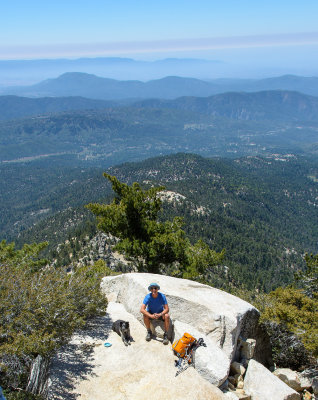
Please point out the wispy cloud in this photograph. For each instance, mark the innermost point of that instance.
(155, 46)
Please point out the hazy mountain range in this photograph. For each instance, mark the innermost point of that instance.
(170, 87)
(26, 72)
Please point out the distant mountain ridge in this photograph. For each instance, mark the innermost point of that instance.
(13, 107)
(275, 105)
(94, 87)
(264, 105)
(230, 124)
(169, 87)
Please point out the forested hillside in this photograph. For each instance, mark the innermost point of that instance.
(263, 211)
(230, 125)
(278, 105)
(13, 107)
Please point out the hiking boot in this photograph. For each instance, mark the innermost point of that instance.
(148, 337)
(165, 338)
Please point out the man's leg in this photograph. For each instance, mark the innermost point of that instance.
(147, 323)
(166, 319)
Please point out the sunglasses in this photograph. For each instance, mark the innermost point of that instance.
(153, 288)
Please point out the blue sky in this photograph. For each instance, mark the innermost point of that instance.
(278, 36)
(145, 29)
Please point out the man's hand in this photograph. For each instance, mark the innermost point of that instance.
(156, 316)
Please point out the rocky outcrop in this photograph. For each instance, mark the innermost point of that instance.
(201, 310)
(261, 384)
(289, 377)
(304, 382)
(262, 351)
(88, 370)
(253, 385)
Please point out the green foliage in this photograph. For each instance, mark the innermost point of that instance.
(26, 258)
(288, 351)
(200, 258)
(308, 279)
(21, 395)
(40, 307)
(154, 245)
(262, 210)
(295, 311)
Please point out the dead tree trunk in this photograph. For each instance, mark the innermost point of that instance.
(38, 379)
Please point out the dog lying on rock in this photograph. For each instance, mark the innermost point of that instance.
(122, 329)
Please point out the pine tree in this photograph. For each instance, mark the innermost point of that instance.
(153, 245)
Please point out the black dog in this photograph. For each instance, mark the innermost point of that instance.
(122, 328)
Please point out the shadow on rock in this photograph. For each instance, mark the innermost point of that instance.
(76, 360)
(98, 328)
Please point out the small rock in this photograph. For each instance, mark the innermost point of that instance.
(240, 384)
(230, 395)
(306, 377)
(243, 396)
(248, 348)
(307, 395)
(238, 395)
(305, 382)
(237, 368)
(232, 380)
(237, 378)
(289, 377)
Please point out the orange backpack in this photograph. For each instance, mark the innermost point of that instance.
(182, 346)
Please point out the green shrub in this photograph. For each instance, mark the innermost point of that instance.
(298, 312)
(288, 351)
(291, 320)
(40, 308)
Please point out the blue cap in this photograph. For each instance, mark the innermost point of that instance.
(154, 284)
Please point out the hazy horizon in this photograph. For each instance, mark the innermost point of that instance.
(29, 72)
(248, 40)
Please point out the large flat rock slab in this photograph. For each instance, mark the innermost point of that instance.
(140, 371)
(261, 384)
(208, 312)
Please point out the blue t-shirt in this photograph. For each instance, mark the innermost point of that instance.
(1, 394)
(155, 305)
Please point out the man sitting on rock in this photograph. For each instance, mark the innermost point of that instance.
(155, 306)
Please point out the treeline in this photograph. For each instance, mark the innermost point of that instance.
(261, 210)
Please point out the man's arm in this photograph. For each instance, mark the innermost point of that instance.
(144, 311)
(165, 309)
